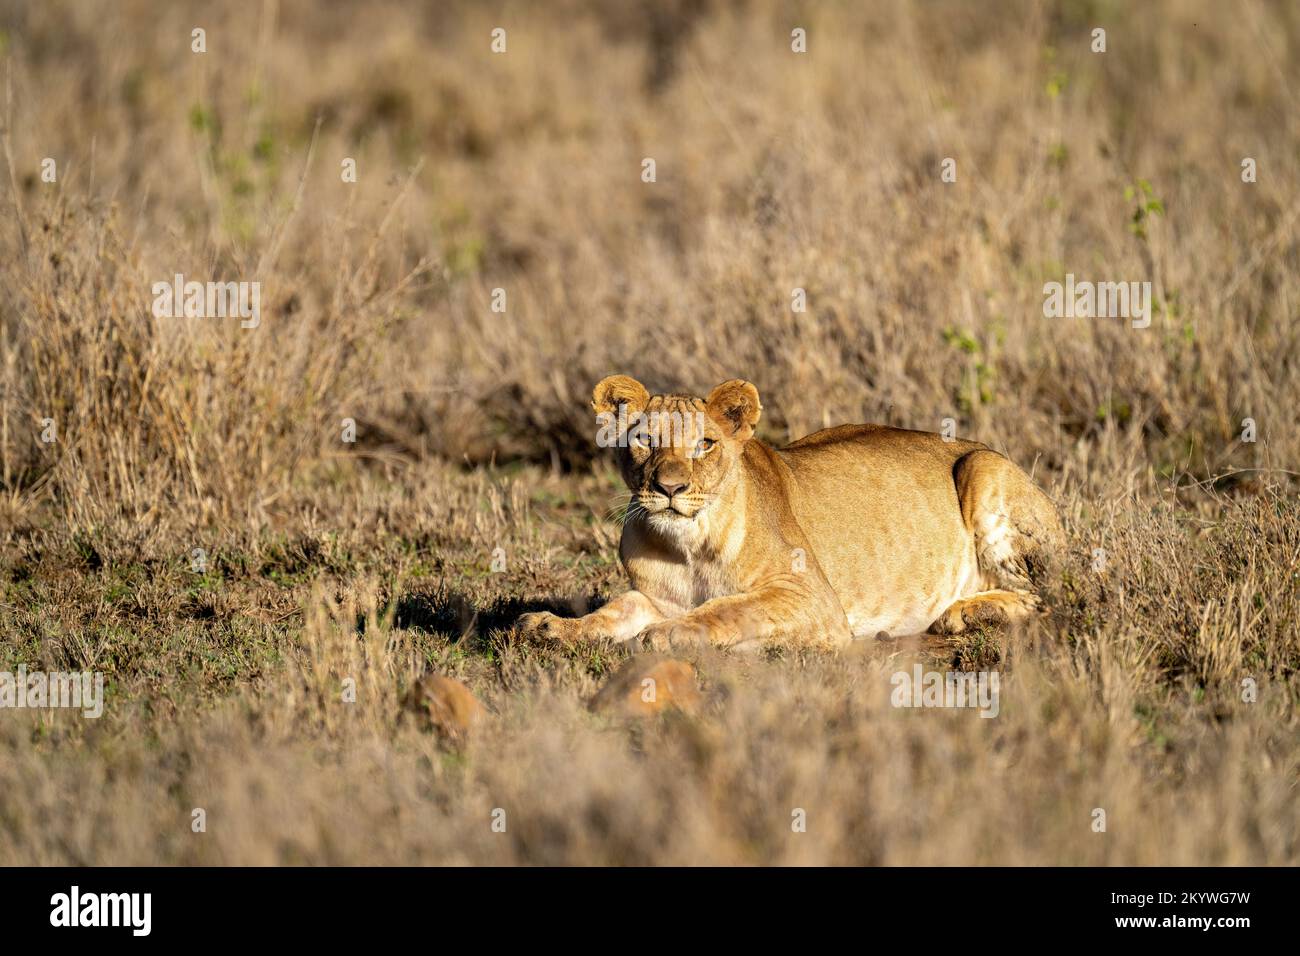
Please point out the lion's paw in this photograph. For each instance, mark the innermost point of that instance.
(545, 626)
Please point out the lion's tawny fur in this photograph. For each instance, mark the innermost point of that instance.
(847, 532)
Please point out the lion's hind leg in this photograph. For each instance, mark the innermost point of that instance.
(988, 608)
(1017, 536)
(1017, 530)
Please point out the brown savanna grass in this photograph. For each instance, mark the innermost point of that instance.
(371, 560)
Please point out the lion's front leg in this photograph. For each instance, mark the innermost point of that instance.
(622, 619)
(745, 621)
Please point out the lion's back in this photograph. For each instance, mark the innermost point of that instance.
(880, 509)
(876, 439)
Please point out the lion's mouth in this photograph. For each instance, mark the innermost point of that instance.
(672, 509)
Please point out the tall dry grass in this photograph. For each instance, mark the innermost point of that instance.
(775, 171)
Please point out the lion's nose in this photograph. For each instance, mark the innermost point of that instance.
(669, 486)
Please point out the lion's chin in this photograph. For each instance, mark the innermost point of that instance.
(670, 517)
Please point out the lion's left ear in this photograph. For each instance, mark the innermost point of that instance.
(735, 405)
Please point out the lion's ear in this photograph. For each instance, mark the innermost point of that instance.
(619, 390)
(735, 405)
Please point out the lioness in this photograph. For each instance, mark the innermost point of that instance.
(848, 532)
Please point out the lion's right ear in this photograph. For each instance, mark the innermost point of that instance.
(619, 390)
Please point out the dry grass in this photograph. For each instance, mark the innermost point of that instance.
(371, 560)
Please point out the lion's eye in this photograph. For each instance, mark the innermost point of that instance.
(637, 440)
(703, 445)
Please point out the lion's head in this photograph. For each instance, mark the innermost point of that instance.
(678, 453)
